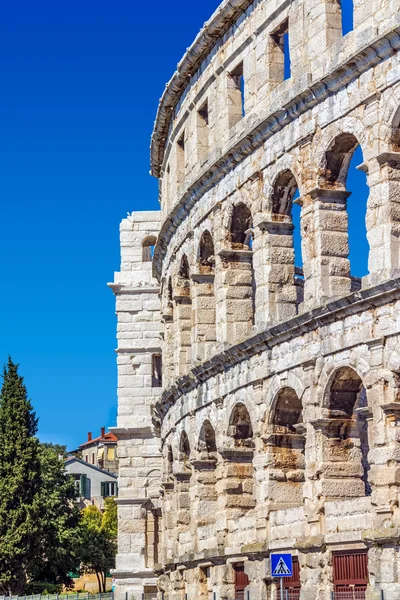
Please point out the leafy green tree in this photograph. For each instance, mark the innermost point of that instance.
(38, 519)
(59, 518)
(98, 545)
(20, 483)
(110, 517)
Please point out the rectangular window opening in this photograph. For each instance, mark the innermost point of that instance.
(236, 95)
(279, 59)
(347, 10)
(202, 130)
(156, 376)
(180, 158)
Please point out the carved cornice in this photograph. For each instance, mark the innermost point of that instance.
(366, 58)
(223, 18)
(277, 334)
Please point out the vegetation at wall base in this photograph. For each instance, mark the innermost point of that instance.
(38, 518)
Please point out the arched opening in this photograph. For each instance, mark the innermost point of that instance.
(285, 444)
(148, 246)
(348, 193)
(241, 227)
(346, 444)
(206, 253)
(207, 442)
(184, 449)
(204, 307)
(205, 494)
(240, 428)
(238, 276)
(183, 330)
(286, 279)
(170, 461)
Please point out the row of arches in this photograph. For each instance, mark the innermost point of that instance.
(212, 296)
(343, 426)
(217, 480)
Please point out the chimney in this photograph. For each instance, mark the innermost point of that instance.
(103, 432)
(89, 436)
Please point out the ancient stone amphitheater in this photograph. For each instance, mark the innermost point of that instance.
(259, 407)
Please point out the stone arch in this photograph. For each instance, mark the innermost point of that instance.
(285, 443)
(282, 193)
(152, 483)
(286, 278)
(345, 444)
(240, 427)
(183, 317)
(169, 460)
(206, 253)
(204, 304)
(148, 245)
(207, 439)
(184, 449)
(241, 225)
(337, 159)
(389, 126)
(342, 231)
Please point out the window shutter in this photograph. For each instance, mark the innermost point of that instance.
(103, 489)
(84, 486)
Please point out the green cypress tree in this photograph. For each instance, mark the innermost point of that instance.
(20, 483)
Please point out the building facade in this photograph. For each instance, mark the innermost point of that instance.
(93, 484)
(274, 422)
(101, 451)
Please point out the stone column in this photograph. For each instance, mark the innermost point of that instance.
(383, 217)
(204, 317)
(325, 246)
(183, 331)
(234, 288)
(204, 504)
(277, 295)
(138, 311)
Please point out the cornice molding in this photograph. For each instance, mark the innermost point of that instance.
(275, 335)
(363, 60)
(223, 18)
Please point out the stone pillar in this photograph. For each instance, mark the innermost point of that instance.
(284, 467)
(340, 468)
(234, 288)
(325, 246)
(383, 217)
(204, 511)
(183, 330)
(323, 24)
(138, 311)
(276, 290)
(204, 315)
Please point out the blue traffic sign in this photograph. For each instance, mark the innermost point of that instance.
(281, 565)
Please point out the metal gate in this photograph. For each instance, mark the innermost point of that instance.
(350, 575)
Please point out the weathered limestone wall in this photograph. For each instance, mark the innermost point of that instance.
(139, 339)
(279, 418)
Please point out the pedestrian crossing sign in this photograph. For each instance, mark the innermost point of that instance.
(281, 565)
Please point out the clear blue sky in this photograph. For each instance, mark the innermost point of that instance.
(80, 86)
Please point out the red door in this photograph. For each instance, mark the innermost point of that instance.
(350, 574)
(241, 581)
(291, 585)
